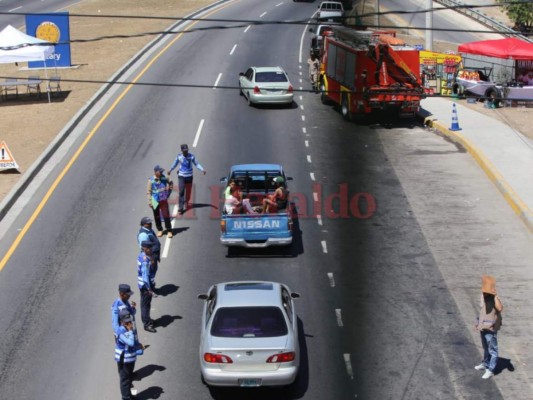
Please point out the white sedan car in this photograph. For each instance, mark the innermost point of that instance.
(249, 335)
(266, 85)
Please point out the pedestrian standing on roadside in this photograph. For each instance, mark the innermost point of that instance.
(122, 304)
(314, 66)
(157, 191)
(144, 265)
(488, 324)
(146, 233)
(185, 162)
(126, 354)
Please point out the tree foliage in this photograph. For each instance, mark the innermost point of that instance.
(520, 12)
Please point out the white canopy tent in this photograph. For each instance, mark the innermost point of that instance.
(16, 46)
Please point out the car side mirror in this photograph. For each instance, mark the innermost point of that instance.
(203, 296)
(241, 73)
(223, 180)
(295, 295)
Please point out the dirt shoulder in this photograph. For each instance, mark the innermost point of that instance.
(30, 124)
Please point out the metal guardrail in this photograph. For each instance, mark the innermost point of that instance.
(482, 18)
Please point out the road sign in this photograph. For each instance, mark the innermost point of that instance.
(7, 161)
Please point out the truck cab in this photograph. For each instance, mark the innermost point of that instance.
(256, 229)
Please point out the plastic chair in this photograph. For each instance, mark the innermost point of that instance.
(54, 84)
(34, 85)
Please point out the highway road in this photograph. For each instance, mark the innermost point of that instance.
(11, 11)
(378, 317)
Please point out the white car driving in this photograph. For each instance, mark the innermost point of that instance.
(266, 85)
(249, 335)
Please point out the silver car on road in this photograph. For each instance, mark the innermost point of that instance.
(249, 335)
(266, 85)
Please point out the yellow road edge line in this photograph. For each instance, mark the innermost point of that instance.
(509, 194)
(86, 141)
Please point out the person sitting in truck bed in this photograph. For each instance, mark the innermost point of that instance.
(279, 199)
(232, 203)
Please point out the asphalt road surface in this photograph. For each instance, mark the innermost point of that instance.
(377, 318)
(12, 11)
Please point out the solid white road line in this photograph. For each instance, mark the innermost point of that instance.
(198, 132)
(312, 175)
(233, 49)
(331, 279)
(262, 15)
(216, 82)
(319, 219)
(348, 363)
(324, 246)
(248, 27)
(308, 158)
(338, 314)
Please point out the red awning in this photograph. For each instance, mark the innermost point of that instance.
(509, 48)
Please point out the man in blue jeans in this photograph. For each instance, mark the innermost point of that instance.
(184, 162)
(489, 322)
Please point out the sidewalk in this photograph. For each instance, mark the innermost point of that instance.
(504, 154)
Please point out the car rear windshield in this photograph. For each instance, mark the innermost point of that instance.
(238, 322)
(270, 77)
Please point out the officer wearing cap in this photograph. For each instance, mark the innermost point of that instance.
(157, 191)
(146, 233)
(185, 161)
(126, 346)
(144, 266)
(122, 305)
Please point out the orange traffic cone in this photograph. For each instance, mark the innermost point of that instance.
(455, 120)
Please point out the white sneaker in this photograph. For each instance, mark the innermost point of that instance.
(488, 373)
(480, 367)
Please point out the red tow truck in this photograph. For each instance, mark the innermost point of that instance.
(363, 74)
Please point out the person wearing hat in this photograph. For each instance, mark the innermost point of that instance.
(158, 190)
(126, 346)
(122, 305)
(488, 324)
(279, 199)
(146, 233)
(144, 266)
(185, 162)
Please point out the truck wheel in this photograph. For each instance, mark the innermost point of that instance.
(323, 97)
(494, 97)
(345, 109)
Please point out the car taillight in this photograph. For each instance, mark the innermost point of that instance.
(256, 90)
(281, 357)
(290, 89)
(223, 226)
(217, 358)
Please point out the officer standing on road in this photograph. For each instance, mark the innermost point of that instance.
(122, 305)
(144, 265)
(126, 354)
(146, 233)
(158, 190)
(185, 161)
(488, 324)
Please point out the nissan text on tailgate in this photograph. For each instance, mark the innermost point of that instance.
(246, 220)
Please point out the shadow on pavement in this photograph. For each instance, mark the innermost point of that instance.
(295, 391)
(146, 371)
(165, 320)
(153, 392)
(167, 289)
(177, 231)
(503, 363)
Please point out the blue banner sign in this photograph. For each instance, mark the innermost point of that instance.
(54, 28)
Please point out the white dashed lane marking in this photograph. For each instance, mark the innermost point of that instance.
(306, 143)
(166, 247)
(198, 132)
(233, 49)
(338, 315)
(324, 247)
(248, 27)
(348, 363)
(308, 158)
(301, 106)
(304, 130)
(331, 279)
(303, 117)
(262, 15)
(312, 175)
(216, 82)
(279, 4)
(315, 197)
(319, 219)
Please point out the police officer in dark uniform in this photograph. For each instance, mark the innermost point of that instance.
(147, 233)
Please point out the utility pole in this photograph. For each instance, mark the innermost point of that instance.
(429, 25)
